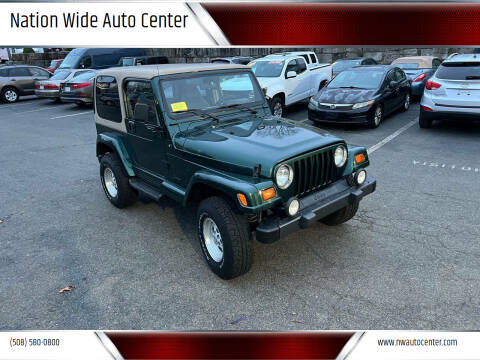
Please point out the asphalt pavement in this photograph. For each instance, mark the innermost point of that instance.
(410, 259)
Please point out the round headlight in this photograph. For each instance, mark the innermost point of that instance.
(293, 207)
(360, 177)
(340, 155)
(284, 176)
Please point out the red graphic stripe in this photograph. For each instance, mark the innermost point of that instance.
(348, 23)
(208, 345)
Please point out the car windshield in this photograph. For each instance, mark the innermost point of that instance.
(357, 79)
(60, 75)
(128, 61)
(72, 59)
(210, 92)
(345, 64)
(459, 71)
(84, 76)
(407, 66)
(271, 68)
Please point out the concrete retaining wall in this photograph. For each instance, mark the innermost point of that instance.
(383, 55)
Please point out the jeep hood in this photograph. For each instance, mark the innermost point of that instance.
(239, 146)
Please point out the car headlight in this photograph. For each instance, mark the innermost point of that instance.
(313, 102)
(284, 176)
(340, 156)
(362, 104)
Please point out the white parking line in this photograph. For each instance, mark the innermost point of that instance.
(392, 136)
(64, 116)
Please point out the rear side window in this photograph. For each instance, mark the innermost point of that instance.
(459, 71)
(107, 100)
(312, 57)
(305, 56)
(399, 75)
(140, 92)
(38, 72)
(23, 71)
(436, 63)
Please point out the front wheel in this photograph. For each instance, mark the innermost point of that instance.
(341, 216)
(277, 106)
(225, 238)
(9, 95)
(376, 118)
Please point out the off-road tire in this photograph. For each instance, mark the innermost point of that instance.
(3, 97)
(125, 194)
(236, 237)
(341, 216)
(424, 122)
(274, 102)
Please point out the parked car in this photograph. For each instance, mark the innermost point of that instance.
(174, 132)
(54, 64)
(79, 89)
(51, 88)
(287, 80)
(418, 69)
(97, 58)
(142, 60)
(243, 60)
(453, 91)
(361, 95)
(19, 80)
(345, 64)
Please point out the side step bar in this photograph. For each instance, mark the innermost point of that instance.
(145, 189)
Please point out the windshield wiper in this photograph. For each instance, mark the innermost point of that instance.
(352, 87)
(241, 106)
(203, 114)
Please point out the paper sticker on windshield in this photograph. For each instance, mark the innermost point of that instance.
(179, 106)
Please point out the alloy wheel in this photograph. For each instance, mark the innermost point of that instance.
(110, 182)
(11, 95)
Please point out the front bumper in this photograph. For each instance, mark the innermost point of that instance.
(313, 208)
(359, 116)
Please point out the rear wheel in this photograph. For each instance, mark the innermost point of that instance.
(406, 102)
(115, 182)
(225, 238)
(341, 216)
(277, 106)
(9, 95)
(424, 122)
(376, 118)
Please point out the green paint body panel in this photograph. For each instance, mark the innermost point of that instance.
(223, 156)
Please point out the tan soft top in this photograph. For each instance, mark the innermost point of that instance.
(422, 61)
(150, 71)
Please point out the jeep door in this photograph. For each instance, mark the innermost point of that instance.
(146, 137)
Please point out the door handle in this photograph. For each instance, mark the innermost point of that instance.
(131, 126)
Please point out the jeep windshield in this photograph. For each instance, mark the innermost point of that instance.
(210, 94)
(267, 68)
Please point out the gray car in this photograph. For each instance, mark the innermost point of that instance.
(51, 88)
(18, 80)
(79, 89)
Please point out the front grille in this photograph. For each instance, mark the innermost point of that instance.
(314, 171)
(335, 106)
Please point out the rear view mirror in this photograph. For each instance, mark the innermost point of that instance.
(141, 112)
(291, 74)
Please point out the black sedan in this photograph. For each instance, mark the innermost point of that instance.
(361, 95)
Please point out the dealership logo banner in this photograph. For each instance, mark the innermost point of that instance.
(314, 345)
(177, 24)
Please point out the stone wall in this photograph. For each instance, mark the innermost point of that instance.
(383, 55)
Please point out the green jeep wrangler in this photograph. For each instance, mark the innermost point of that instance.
(204, 133)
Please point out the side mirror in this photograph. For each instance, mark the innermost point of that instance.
(393, 84)
(141, 112)
(291, 74)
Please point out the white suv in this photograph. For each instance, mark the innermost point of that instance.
(453, 91)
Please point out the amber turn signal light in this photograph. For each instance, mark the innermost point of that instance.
(268, 194)
(242, 199)
(359, 158)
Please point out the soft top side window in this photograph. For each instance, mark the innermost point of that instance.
(140, 92)
(107, 100)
